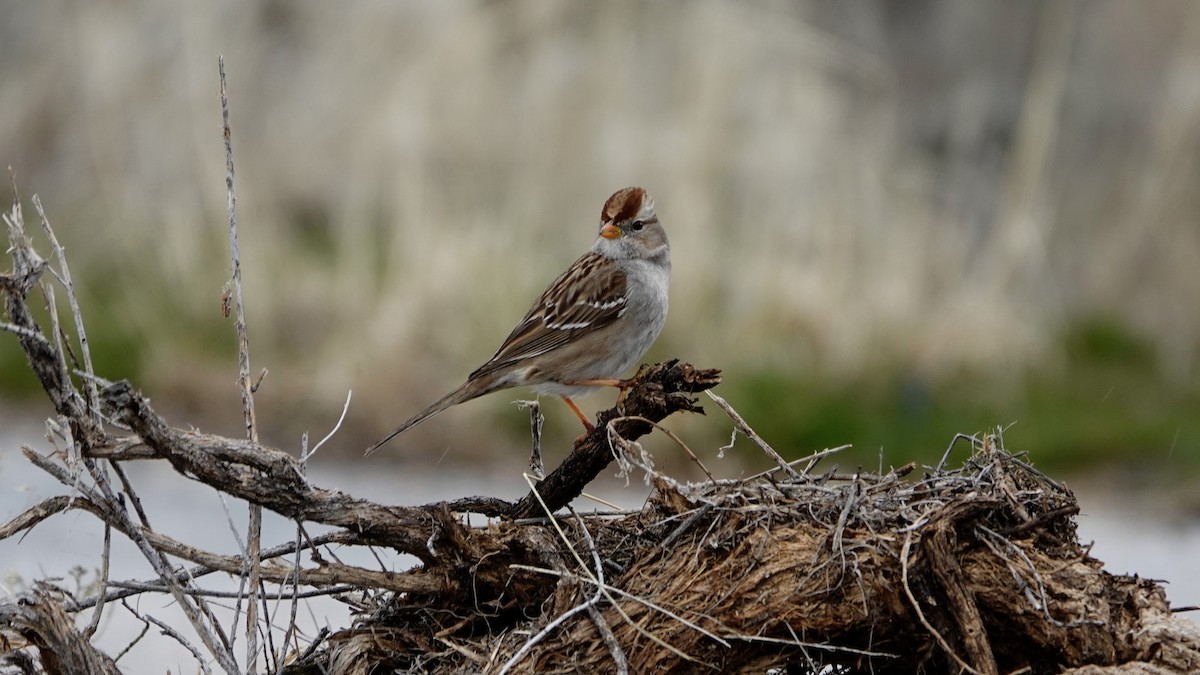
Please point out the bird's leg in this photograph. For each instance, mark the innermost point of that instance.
(582, 418)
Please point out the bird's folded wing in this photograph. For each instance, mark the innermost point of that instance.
(589, 295)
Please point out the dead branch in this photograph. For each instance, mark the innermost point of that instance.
(45, 362)
(252, 572)
(658, 391)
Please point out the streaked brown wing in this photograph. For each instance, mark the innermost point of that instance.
(589, 295)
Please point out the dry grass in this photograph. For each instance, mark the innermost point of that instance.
(846, 188)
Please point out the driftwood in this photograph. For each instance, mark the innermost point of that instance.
(37, 620)
(972, 569)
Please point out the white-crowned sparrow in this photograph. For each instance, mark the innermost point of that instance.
(591, 324)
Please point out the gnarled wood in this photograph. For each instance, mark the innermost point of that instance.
(38, 618)
(656, 392)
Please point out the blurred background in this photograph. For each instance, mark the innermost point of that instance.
(891, 222)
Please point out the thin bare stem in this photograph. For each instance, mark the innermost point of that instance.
(751, 434)
(174, 634)
(76, 314)
(306, 455)
(606, 634)
(254, 533)
(104, 567)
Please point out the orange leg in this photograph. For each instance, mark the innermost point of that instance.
(579, 413)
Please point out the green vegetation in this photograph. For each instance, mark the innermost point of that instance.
(16, 379)
(114, 349)
(1110, 403)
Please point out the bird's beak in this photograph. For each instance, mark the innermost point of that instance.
(610, 231)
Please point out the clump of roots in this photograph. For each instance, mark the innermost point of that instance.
(976, 569)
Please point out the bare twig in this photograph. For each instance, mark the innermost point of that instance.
(810, 459)
(603, 588)
(254, 528)
(957, 437)
(619, 660)
(93, 401)
(300, 533)
(671, 435)
(193, 608)
(813, 645)
(751, 434)
(136, 639)
(104, 562)
(170, 632)
(144, 587)
(132, 587)
(306, 455)
(22, 331)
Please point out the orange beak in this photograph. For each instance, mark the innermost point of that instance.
(610, 231)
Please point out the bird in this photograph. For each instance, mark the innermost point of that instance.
(591, 323)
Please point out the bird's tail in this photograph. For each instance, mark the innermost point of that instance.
(466, 392)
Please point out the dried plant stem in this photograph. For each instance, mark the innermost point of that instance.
(537, 467)
(254, 533)
(64, 273)
(751, 434)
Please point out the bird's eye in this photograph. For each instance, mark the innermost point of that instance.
(637, 225)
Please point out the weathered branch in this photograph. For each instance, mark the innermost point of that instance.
(252, 572)
(270, 478)
(326, 574)
(657, 391)
(958, 609)
(43, 358)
